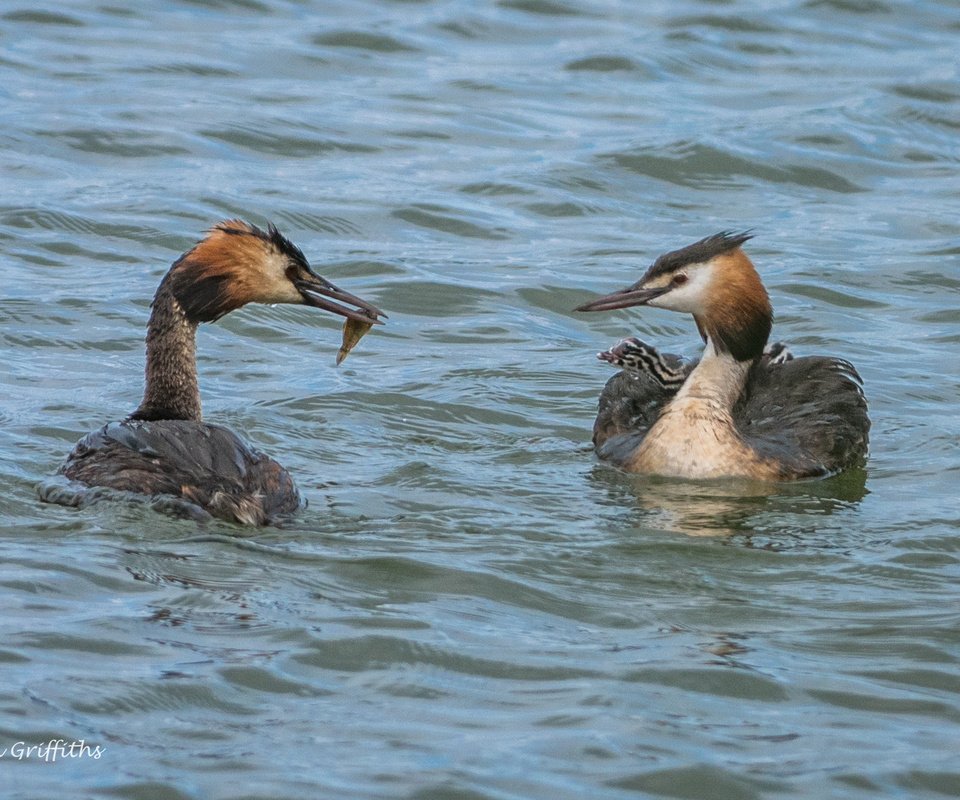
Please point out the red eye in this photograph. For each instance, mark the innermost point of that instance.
(679, 280)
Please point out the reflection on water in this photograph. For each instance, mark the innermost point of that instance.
(470, 605)
(730, 508)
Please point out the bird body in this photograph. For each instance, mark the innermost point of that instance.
(744, 410)
(211, 469)
(164, 447)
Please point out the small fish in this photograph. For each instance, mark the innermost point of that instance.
(353, 332)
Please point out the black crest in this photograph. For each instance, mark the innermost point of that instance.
(698, 252)
(272, 236)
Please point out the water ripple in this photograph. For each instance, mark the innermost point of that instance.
(363, 40)
(697, 164)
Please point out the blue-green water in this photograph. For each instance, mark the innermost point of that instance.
(471, 606)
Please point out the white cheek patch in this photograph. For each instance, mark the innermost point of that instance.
(277, 286)
(691, 296)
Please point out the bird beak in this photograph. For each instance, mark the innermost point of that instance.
(631, 296)
(612, 354)
(320, 293)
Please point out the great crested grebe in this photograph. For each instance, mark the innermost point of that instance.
(741, 411)
(164, 448)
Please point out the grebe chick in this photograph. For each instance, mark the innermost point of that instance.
(637, 358)
(744, 410)
(164, 448)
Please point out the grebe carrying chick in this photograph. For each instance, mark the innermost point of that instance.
(744, 410)
(164, 448)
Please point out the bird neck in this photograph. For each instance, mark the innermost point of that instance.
(736, 315)
(172, 390)
(716, 382)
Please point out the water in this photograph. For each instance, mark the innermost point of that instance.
(471, 606)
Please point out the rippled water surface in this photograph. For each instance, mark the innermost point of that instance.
(471, 606)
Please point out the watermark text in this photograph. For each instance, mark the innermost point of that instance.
(54, 750)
